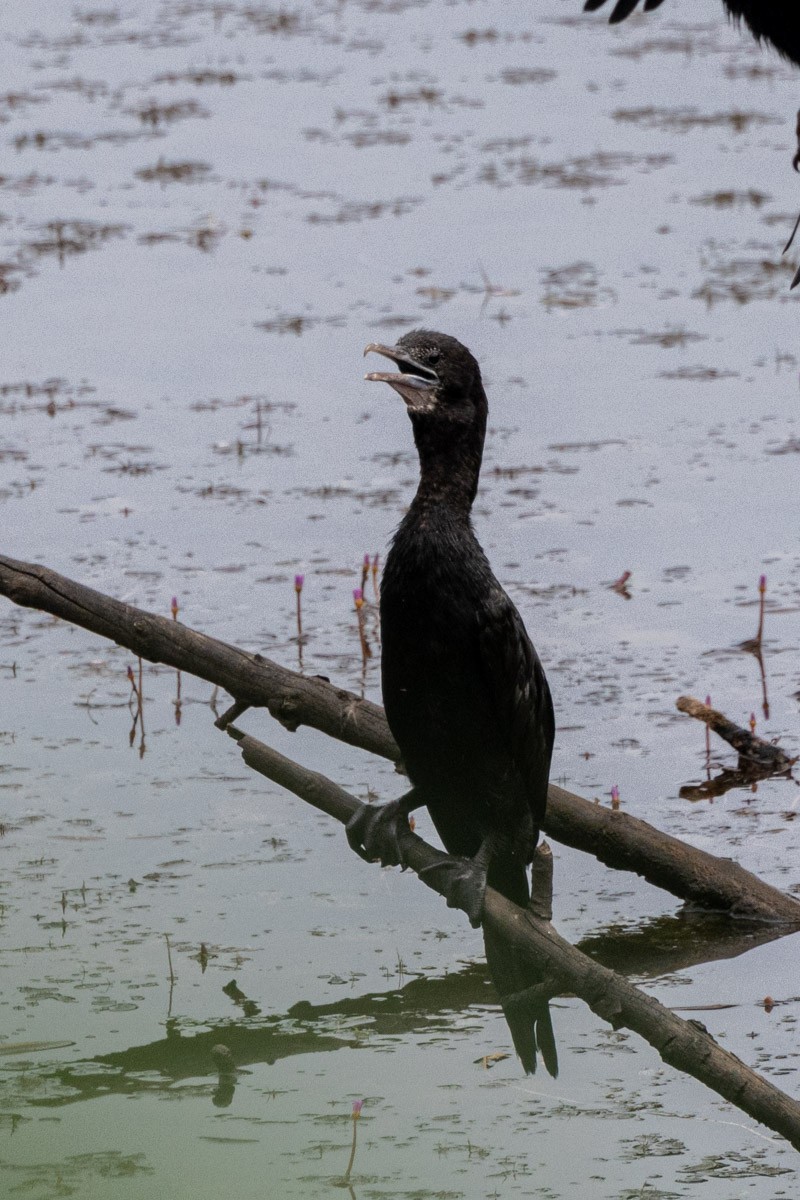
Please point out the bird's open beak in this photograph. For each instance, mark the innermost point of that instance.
(415, 383)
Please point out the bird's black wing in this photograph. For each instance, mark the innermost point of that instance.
(517, 685)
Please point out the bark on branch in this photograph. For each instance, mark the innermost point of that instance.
(686, 1045)
(616, 838)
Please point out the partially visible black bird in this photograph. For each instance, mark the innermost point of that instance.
(774, 21)
(465, 694)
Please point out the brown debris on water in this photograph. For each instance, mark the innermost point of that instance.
(742, 279)
(174, 172)
(682, 120)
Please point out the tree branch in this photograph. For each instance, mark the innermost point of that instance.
(616, 838)
(292, 699)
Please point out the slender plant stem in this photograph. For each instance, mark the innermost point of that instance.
(352, 1149)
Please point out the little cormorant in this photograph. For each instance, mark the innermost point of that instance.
(465, 694)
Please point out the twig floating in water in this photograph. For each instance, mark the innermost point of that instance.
(750, 748)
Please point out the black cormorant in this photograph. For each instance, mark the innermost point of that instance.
(465, 694)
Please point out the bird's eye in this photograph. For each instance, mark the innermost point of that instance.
(434, 356)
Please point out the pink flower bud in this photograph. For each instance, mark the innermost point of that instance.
(357, 1107)
(298, 582)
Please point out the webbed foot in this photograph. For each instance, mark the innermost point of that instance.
(377, 831)
(462, 882)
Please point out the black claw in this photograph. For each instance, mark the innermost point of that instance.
(375, 833)
(462, 882)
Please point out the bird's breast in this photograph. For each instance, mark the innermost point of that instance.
(433, 687)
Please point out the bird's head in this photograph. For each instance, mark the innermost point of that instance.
(437, 377)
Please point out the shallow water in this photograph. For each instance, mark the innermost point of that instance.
(206, 210)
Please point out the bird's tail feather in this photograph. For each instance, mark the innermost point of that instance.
(528, 1020)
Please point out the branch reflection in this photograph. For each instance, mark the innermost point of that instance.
(420, 1006)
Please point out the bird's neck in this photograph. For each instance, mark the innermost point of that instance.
(450, 465)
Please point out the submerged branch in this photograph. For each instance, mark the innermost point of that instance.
(753, 751)
(686, 1045)
(616, 838)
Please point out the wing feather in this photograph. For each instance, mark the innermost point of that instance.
(518, 688)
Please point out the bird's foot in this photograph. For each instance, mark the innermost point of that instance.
(462, 882)
(376, 832)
